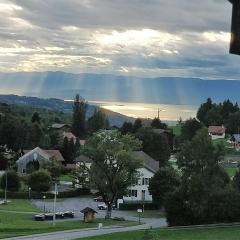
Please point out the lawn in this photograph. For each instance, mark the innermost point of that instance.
(19, 205)
(212, 233)
(177, 129)
(20, 224)
(66, 178)
(231, 171)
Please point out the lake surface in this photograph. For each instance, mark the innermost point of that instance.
(147, 110)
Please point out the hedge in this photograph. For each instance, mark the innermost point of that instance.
(135, 206)
(39, 195)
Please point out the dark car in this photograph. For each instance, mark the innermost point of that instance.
(49, 216)
(69, 214)
(39, 217)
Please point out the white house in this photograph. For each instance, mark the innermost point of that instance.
(139, 192)
(216, 132)
(38, 156)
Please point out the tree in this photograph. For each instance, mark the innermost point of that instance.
(36, 118)
(114, 166)
(157, 123)
(164, 182)
(213, 117)
(97, 121)
(39, 181)
(202, 178)
(236, 180)
(154, 144)
(228, 108)
(137, 124)
(3, 162)
(203, 109)
(54, 167)
(13, 181)
(233, 123)
(126, 128)
(79, 116)
(189, 129)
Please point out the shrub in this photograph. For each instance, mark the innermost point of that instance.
(39, 181)
(135, 206)
(13, 181)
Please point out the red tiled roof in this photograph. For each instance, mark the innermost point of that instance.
(69, 136)
(216, 129)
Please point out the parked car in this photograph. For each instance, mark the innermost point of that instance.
(102, 206)
(59, 215)
(69, 214)
(39, 217)
(49, 216)
(98, 199)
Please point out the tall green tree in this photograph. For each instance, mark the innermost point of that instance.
(154, 144)
(157, 123)
(97, 121)
(126, 128)
(137, 124)
(203, 109)
(79, 117)
(114, 166)
(164, 182)
(202, 179)
(36, 118)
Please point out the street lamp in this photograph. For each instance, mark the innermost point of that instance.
(139, 215)
(29, 193)
(54, 203)
(6, 183)
(44, 197)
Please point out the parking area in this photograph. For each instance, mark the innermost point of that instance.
(77, 204)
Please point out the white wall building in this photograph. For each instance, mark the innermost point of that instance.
(139, 192)
(216, 132)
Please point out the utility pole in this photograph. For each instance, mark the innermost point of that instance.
(54, 203)
(6, 183)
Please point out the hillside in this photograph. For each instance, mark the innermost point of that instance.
(59, 105)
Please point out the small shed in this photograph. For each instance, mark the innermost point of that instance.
(89, 214)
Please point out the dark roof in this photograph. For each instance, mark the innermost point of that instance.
(148, 162)
(58, 125)
(88, 209)
(216, 129)
(84, 159)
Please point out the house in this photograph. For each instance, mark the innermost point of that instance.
(216, 132)
(70, 136)
(236, 141)
(59, 126)
(37, 156)
(139, 192)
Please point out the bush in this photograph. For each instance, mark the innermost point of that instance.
(13, 181)
(135, 206)
(39, 195)
(39, 181)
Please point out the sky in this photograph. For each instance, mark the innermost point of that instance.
(123, 37)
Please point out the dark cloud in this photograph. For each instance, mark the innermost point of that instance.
(78, 36)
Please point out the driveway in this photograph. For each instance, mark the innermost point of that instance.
(79, 203)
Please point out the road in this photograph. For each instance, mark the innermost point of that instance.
(74, 234)
(77, 204)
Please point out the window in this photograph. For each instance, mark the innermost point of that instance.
(145, 181)
(133, 193)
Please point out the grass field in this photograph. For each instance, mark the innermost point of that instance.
(213, 233)
(20, 224)
(231, 171)
(66, 178)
